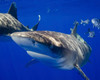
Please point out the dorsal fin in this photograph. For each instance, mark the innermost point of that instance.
(74, 31)
(34, 28)
(13, 10)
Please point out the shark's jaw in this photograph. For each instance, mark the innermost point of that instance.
(43, 53)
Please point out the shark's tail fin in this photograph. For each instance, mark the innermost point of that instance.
(13, 10)
(34, 28)
(80, 70)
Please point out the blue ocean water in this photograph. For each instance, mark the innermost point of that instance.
(56, 15)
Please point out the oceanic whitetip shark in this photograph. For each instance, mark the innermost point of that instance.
(9, 22)
(63, 51)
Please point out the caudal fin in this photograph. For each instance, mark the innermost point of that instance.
(34, 28)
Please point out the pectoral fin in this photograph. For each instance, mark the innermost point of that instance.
(33, 61)
(80, 70)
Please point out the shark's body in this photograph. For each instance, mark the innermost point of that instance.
(9, 22)
(56, 49)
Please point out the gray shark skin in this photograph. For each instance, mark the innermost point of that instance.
(9, 22)
(63, 51)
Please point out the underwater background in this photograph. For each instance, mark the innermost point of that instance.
(56, 15)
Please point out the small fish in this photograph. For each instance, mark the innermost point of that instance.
(96, 22)
(90, 33)
(85, 22)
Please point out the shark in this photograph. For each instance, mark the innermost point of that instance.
(9, 22)
(56, 49)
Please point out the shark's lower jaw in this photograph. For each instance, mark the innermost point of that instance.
(43, 53)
